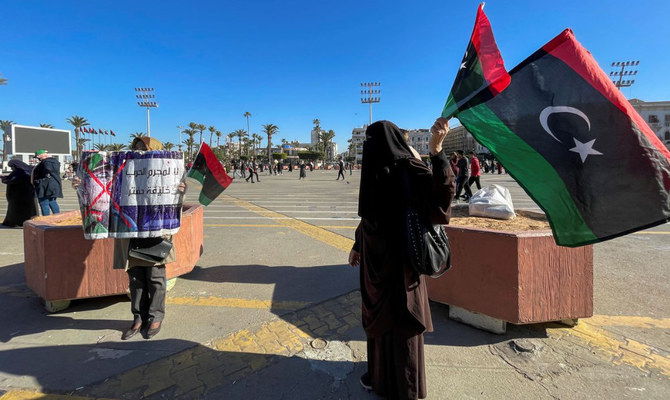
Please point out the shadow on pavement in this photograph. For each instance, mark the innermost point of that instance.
(317, 284)
(126, 370)
(291, 284)
(23, 313)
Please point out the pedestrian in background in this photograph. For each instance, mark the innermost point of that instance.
(340, 167)
(253, 170)
(475, 170)
(462, 177)
(302, 167)
(47, 183)
(395, 308)
(20, 194)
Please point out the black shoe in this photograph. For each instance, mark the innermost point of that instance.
(366, 382)
(130, 332)
(153, 332)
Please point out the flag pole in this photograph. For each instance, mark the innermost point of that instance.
(196, 155)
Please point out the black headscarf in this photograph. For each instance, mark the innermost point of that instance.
(19, 167)
(384, 151)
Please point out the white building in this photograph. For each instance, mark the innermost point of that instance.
(657, 115)
(357, 139)
(418, 138)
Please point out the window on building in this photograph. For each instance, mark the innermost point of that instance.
(667, 117)
(667, 135)
(653, 119)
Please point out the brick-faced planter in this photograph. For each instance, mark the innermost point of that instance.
(516, 277)
(60, 265)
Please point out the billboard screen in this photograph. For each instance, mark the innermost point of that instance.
(29, 139)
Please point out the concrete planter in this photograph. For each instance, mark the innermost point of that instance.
(517, 277)
(60, 265)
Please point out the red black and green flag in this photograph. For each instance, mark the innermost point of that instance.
(570, 138)
(207, 169)
(482, 73)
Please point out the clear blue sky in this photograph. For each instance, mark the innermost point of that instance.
(287, 62)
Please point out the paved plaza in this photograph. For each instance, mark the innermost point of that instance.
(272, 311)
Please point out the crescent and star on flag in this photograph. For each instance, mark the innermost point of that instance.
(583, 149)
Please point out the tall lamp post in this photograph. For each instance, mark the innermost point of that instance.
(368, 89)
(180, 130)
(145, 95)
(620, 82)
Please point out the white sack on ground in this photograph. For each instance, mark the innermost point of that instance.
(494, 201)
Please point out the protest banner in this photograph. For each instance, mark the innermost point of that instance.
(131, 194)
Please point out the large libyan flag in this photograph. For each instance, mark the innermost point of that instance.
(575, 144)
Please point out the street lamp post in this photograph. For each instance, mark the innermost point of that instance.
(367, 90)
(144, 95)
(620, 82)
(180, 129)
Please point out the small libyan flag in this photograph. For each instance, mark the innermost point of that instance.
(208, 170)
(482, 73)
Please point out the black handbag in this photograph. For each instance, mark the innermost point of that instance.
(154, 250)
(428, 247)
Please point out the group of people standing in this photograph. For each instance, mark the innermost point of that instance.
(27, 185)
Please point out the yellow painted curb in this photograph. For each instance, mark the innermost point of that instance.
(214, 301)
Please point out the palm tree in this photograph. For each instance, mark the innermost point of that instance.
(212, 131)
(257, 139)
(47, 126)
(317, 128)
(201, 128)
(270, 129)
(168, 146)
(247, 115)
(218, 136)
(230, 136)
(78, 122)
(190, 132)
(100, 147)
(80, 144)
(116, 147)
(4, 123)
(189, 144)
(240, 133)
(246, 142)
(327, 138)
(193, 126)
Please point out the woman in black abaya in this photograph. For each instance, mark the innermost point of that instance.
(20, 194)
(395, 305)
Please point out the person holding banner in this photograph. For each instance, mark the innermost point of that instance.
(147, 279)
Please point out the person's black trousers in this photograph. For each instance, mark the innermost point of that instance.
(462, 184)
(474, 179)
(147, 293)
